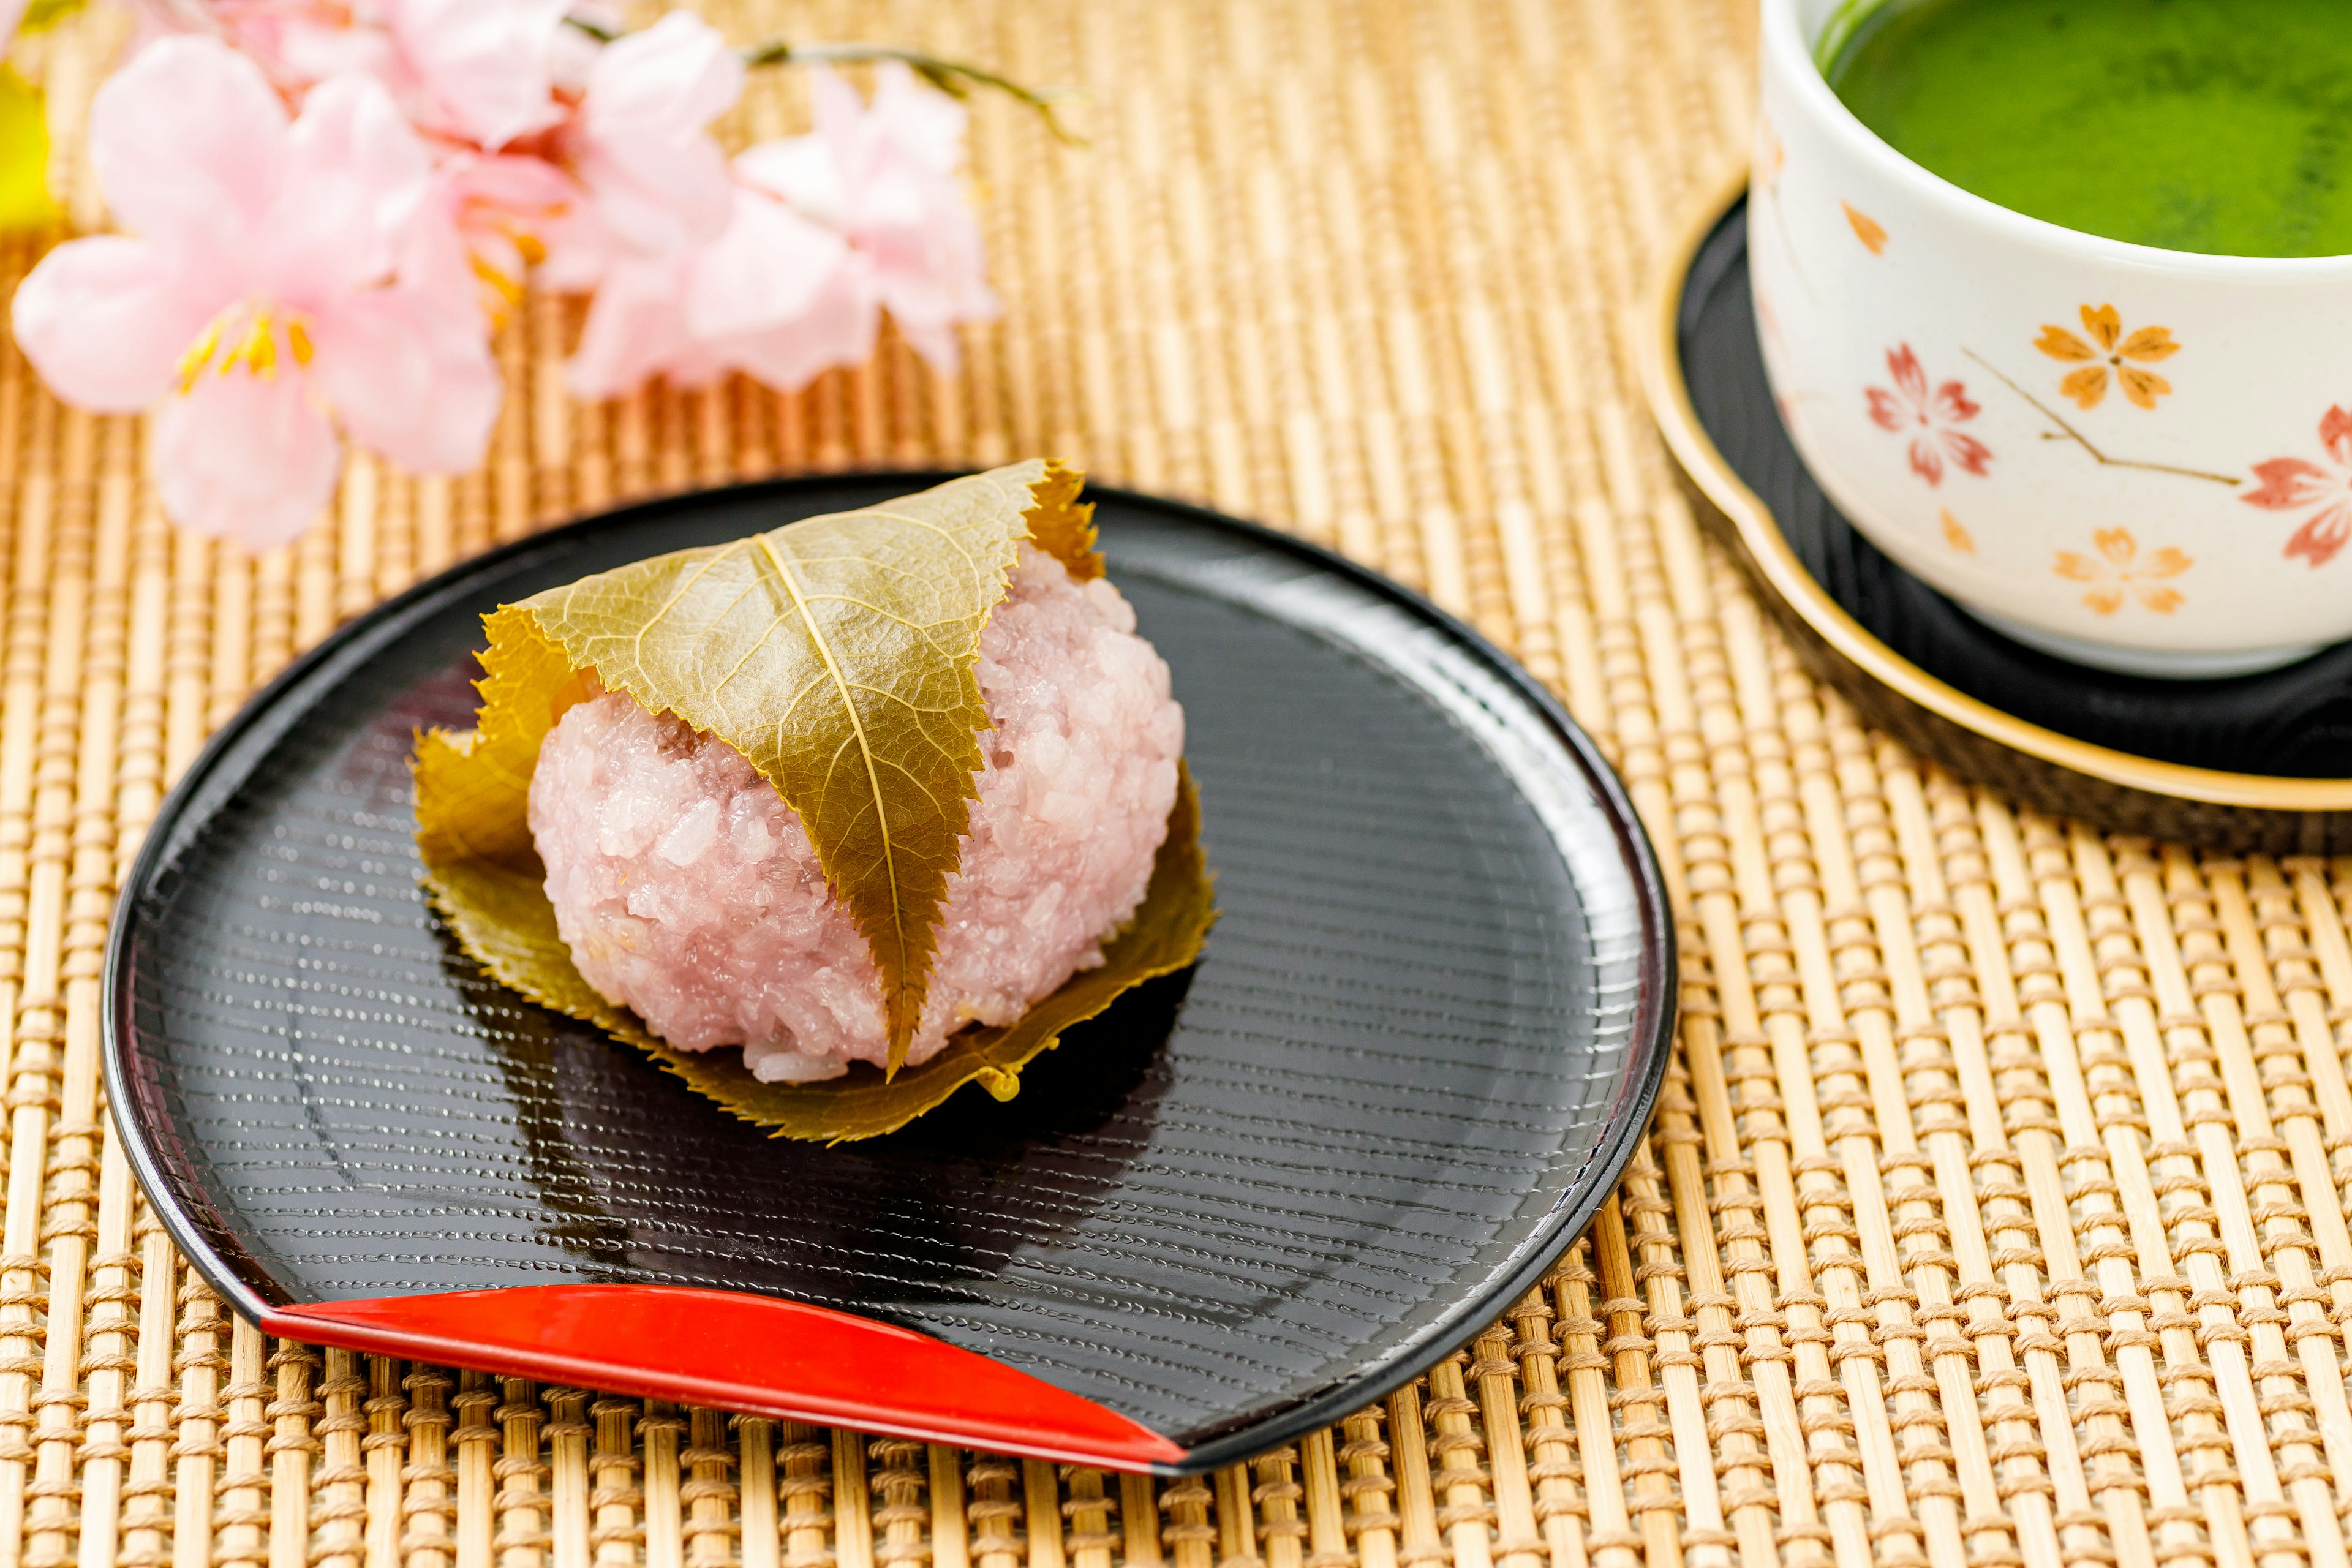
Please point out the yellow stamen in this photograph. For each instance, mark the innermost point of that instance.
(261, 348)
(192, 363)
(508, 289)
(255, 333)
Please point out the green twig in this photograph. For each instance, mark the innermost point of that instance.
(954, 77)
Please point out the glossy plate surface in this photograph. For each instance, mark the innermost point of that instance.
(1423, 1038)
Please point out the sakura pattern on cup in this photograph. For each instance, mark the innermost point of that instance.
(2291, 484)
(1932, 417)
(2105, 356)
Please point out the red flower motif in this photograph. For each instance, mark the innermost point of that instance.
(1929, 416)
(2288, 483)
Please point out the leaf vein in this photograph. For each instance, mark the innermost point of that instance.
(866, 750)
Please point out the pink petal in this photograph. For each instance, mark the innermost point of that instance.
(435, 257)
(1904, 365)
(2318, 539)
(658, 200)
(837, 328)
(2287, 483)
(1884, 410)
(803, 171)
(189, 143)
(11, 12)
(572, 54)
(2335, 430)
(925, 245)
(1966, 451)
(671, 80)
(1952, 402)
(921, 123)
(636, 329)
(474, 206)
(932, 278)
(106, 319)
(884, 176)
(659, 182)
(767, 269)
(1927, 461)
(294, 50)
(512, 183)
(409, 377)
(655, 197)
(356, 175)
(246, 458)
(838, 115)
(580, 250)
(695, 365)
(481, 66)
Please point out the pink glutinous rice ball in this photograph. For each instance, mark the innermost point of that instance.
(689, 892)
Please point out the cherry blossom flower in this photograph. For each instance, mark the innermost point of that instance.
(884, 177)
(1931, 416)
(827, 231)
(2119, 571)
(774, 295)
(475, 233)
(255, 293)
(325, 205)
(2288, 483)
(2107, 350)
(655, 181)
(477, 72)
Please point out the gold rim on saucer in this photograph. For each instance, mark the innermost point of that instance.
(2041, 767)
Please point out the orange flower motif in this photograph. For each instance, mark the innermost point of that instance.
(1867, 229)
(2119, 571)
(1771, 157)
(2107, 350)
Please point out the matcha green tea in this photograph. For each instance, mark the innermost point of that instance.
(2222, 126)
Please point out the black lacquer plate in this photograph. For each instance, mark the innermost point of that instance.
(1423, 1038)
(2253, 762)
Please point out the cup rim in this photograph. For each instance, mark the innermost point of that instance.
(1786, 50)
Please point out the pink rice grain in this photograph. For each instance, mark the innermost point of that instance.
(688, 890)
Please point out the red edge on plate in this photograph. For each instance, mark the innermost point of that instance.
(738, 1351)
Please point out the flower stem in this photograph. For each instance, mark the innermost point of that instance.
(954, 77)
(2084, 441)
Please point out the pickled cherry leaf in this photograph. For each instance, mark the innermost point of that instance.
(838, 654)
(852, 638)
(500, 915)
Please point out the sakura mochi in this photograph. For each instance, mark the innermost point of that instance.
(834, 819)
(689, 892)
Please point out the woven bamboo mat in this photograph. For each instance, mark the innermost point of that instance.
(1992, 1213)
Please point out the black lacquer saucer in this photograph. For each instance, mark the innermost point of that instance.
(2261, 763)
(1423, 1039)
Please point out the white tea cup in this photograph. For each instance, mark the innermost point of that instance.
(2135, 458)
